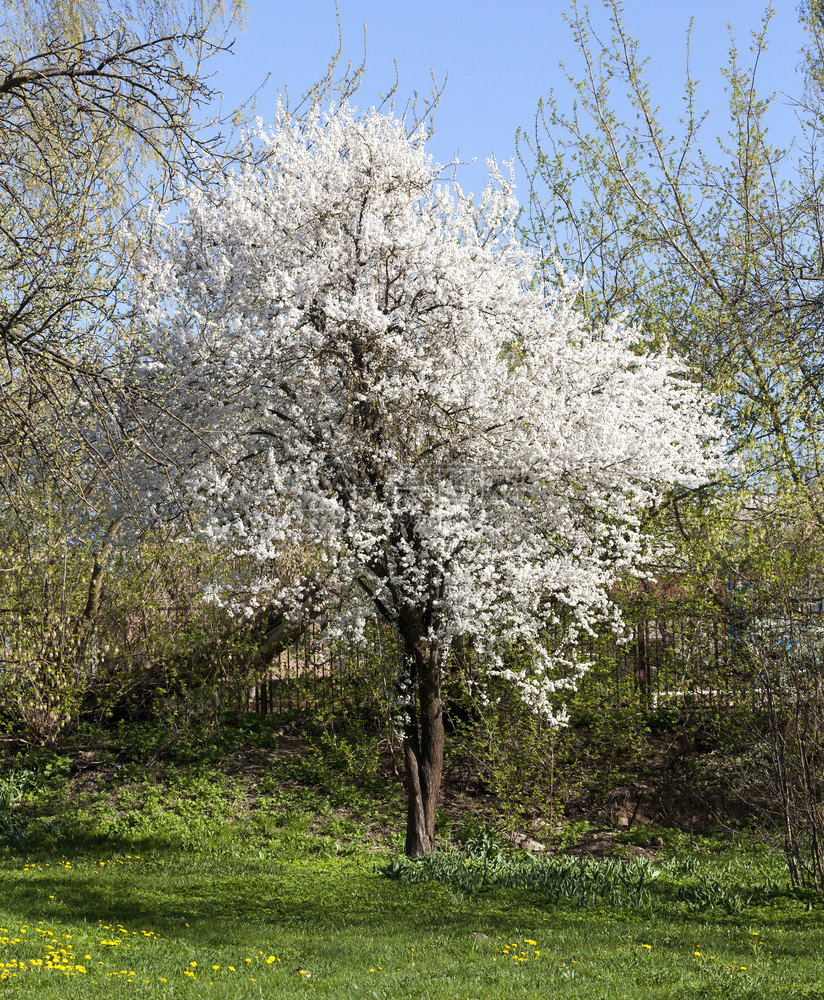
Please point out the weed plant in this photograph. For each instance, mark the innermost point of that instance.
(678, 886)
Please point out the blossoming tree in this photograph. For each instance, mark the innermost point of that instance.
(357, 362)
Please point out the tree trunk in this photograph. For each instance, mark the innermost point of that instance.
(280, 633)
(423, 744)
(96, 580)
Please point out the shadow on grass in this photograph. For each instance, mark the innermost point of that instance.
(203, 900)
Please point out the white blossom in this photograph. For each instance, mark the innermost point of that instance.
(357, 359)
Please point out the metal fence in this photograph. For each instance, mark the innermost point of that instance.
(696, 659)
(703, 660)
(317, 675)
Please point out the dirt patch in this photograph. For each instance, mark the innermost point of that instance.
(604, 843)
(466, 800)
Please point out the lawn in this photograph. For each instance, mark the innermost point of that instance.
(193, 879)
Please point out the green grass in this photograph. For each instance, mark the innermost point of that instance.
(196, 881)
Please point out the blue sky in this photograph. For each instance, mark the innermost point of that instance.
(500, 57)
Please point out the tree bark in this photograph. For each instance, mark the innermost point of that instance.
(423, 744)
(96, 579)
(281, 632)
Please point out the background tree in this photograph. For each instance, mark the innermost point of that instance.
(717, 246)
(360, 365)
(720, 254)
(105, 108)
(101, 108)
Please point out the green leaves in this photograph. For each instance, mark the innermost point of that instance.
(701, 249)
